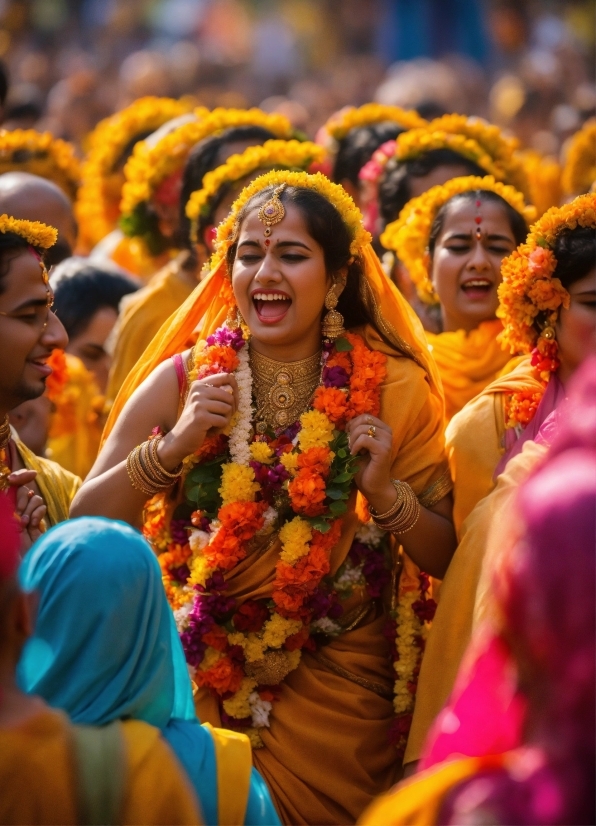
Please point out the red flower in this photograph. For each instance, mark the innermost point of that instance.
(251, 616)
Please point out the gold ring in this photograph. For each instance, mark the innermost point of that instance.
(368, 420)
(30, 493)
(372, 430)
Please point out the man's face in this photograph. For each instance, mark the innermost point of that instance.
(29, 331)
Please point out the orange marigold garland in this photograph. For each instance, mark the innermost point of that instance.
(531, 298)
(243, 489)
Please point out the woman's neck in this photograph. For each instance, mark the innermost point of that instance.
(297, 351)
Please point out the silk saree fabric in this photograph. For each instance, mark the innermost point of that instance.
(467, 362)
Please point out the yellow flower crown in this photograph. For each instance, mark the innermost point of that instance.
(579, 172)
(528, 287)
(478, 141)
(35, 233)
(334, 193)
(272, 153)
(105, 146)
(340, 123)
(41, 154)
(544, 179)
(148, 166)
(408, 236)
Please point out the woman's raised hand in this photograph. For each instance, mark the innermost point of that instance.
(372, 439)
(209, 407)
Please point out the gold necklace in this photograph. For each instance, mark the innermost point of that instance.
(282, 390)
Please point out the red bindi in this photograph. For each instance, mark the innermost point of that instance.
(267, 242)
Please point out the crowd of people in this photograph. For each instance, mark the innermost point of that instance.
(298, 471)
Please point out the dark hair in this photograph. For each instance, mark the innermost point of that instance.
(203, 159)
(81, 288)
(517, 222)
(357, 148)
(326, 226)
(575, 251)
(4, 80)
(12, 245)
(394, 186)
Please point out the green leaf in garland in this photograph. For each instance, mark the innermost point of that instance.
(342, 345)
(337, 508)
(335, 493)
(319, 524)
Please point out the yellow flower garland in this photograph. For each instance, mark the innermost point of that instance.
(544, 179)
(528, 287)
(579, 172)
(273, 153)
(408, 235)
(475, 139)
(342, 122)
(105, 146)
(35, 233)
(148, 166)
(334, 193)
(43, 155)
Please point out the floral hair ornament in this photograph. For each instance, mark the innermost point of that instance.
(149, 166)
(273, 153)
(38, 235)
(530, 297)
(408, 236)
(98, 199)
(474, 139)
(227, 231)
(342, 122)
(40, 153)
(579, 172)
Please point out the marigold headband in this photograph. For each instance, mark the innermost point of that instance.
(271, 154)
(474, 139)
(579, 172)
(342, 122)
(528, 286)
(35, 233)
(335, 194)
(148, 166)
(41, 154)
(408, 236)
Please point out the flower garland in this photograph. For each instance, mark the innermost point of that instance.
(334, 193)
(149, 166)
(473, 138)
(369, 176)
(239, 488)
(39, 235)
(409, 234)
(529, 295)
(98, 199)
(407, 632)
(579, 172)
(273, 153)
(544, 180)
(40, 153)
(342, 122)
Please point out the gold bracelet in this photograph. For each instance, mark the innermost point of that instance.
(406, 515)
(394, 507)
(136, 473)
(155, 464)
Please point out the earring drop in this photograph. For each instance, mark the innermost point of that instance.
(332, 325)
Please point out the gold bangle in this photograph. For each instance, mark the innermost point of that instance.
(394, 507)
(156, 464)
(136, 473)
(406, 516)
(146, 472)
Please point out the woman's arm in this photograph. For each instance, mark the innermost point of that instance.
(210, 404)
(431, 542)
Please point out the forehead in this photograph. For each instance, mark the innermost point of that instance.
(291, 227)
(23, 281)
(462, 214)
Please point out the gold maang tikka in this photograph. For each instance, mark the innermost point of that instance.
(272, 212)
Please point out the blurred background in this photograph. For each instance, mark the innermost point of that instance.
(527, 65)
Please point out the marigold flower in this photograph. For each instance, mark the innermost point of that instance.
(307, 492)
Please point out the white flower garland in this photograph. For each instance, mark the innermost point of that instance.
(239, 439)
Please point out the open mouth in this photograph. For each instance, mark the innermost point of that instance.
(477, 287)
(270, 305)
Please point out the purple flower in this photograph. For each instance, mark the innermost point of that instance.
(178, 530)
(227, 338)
(277, 475)
(292, 431)
(180, 574)
(335, 377)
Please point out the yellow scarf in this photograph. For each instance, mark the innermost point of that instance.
(56, 485)
(467, 362)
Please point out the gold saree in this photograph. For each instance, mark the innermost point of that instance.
(56, 485)
(467, 362)
(465, 594)
(326, 754)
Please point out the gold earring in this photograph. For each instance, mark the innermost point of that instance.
(235, 318)
(332, 325)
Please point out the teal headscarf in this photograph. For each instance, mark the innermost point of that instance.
(106, 647)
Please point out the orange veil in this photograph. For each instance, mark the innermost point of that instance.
(208, 305)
